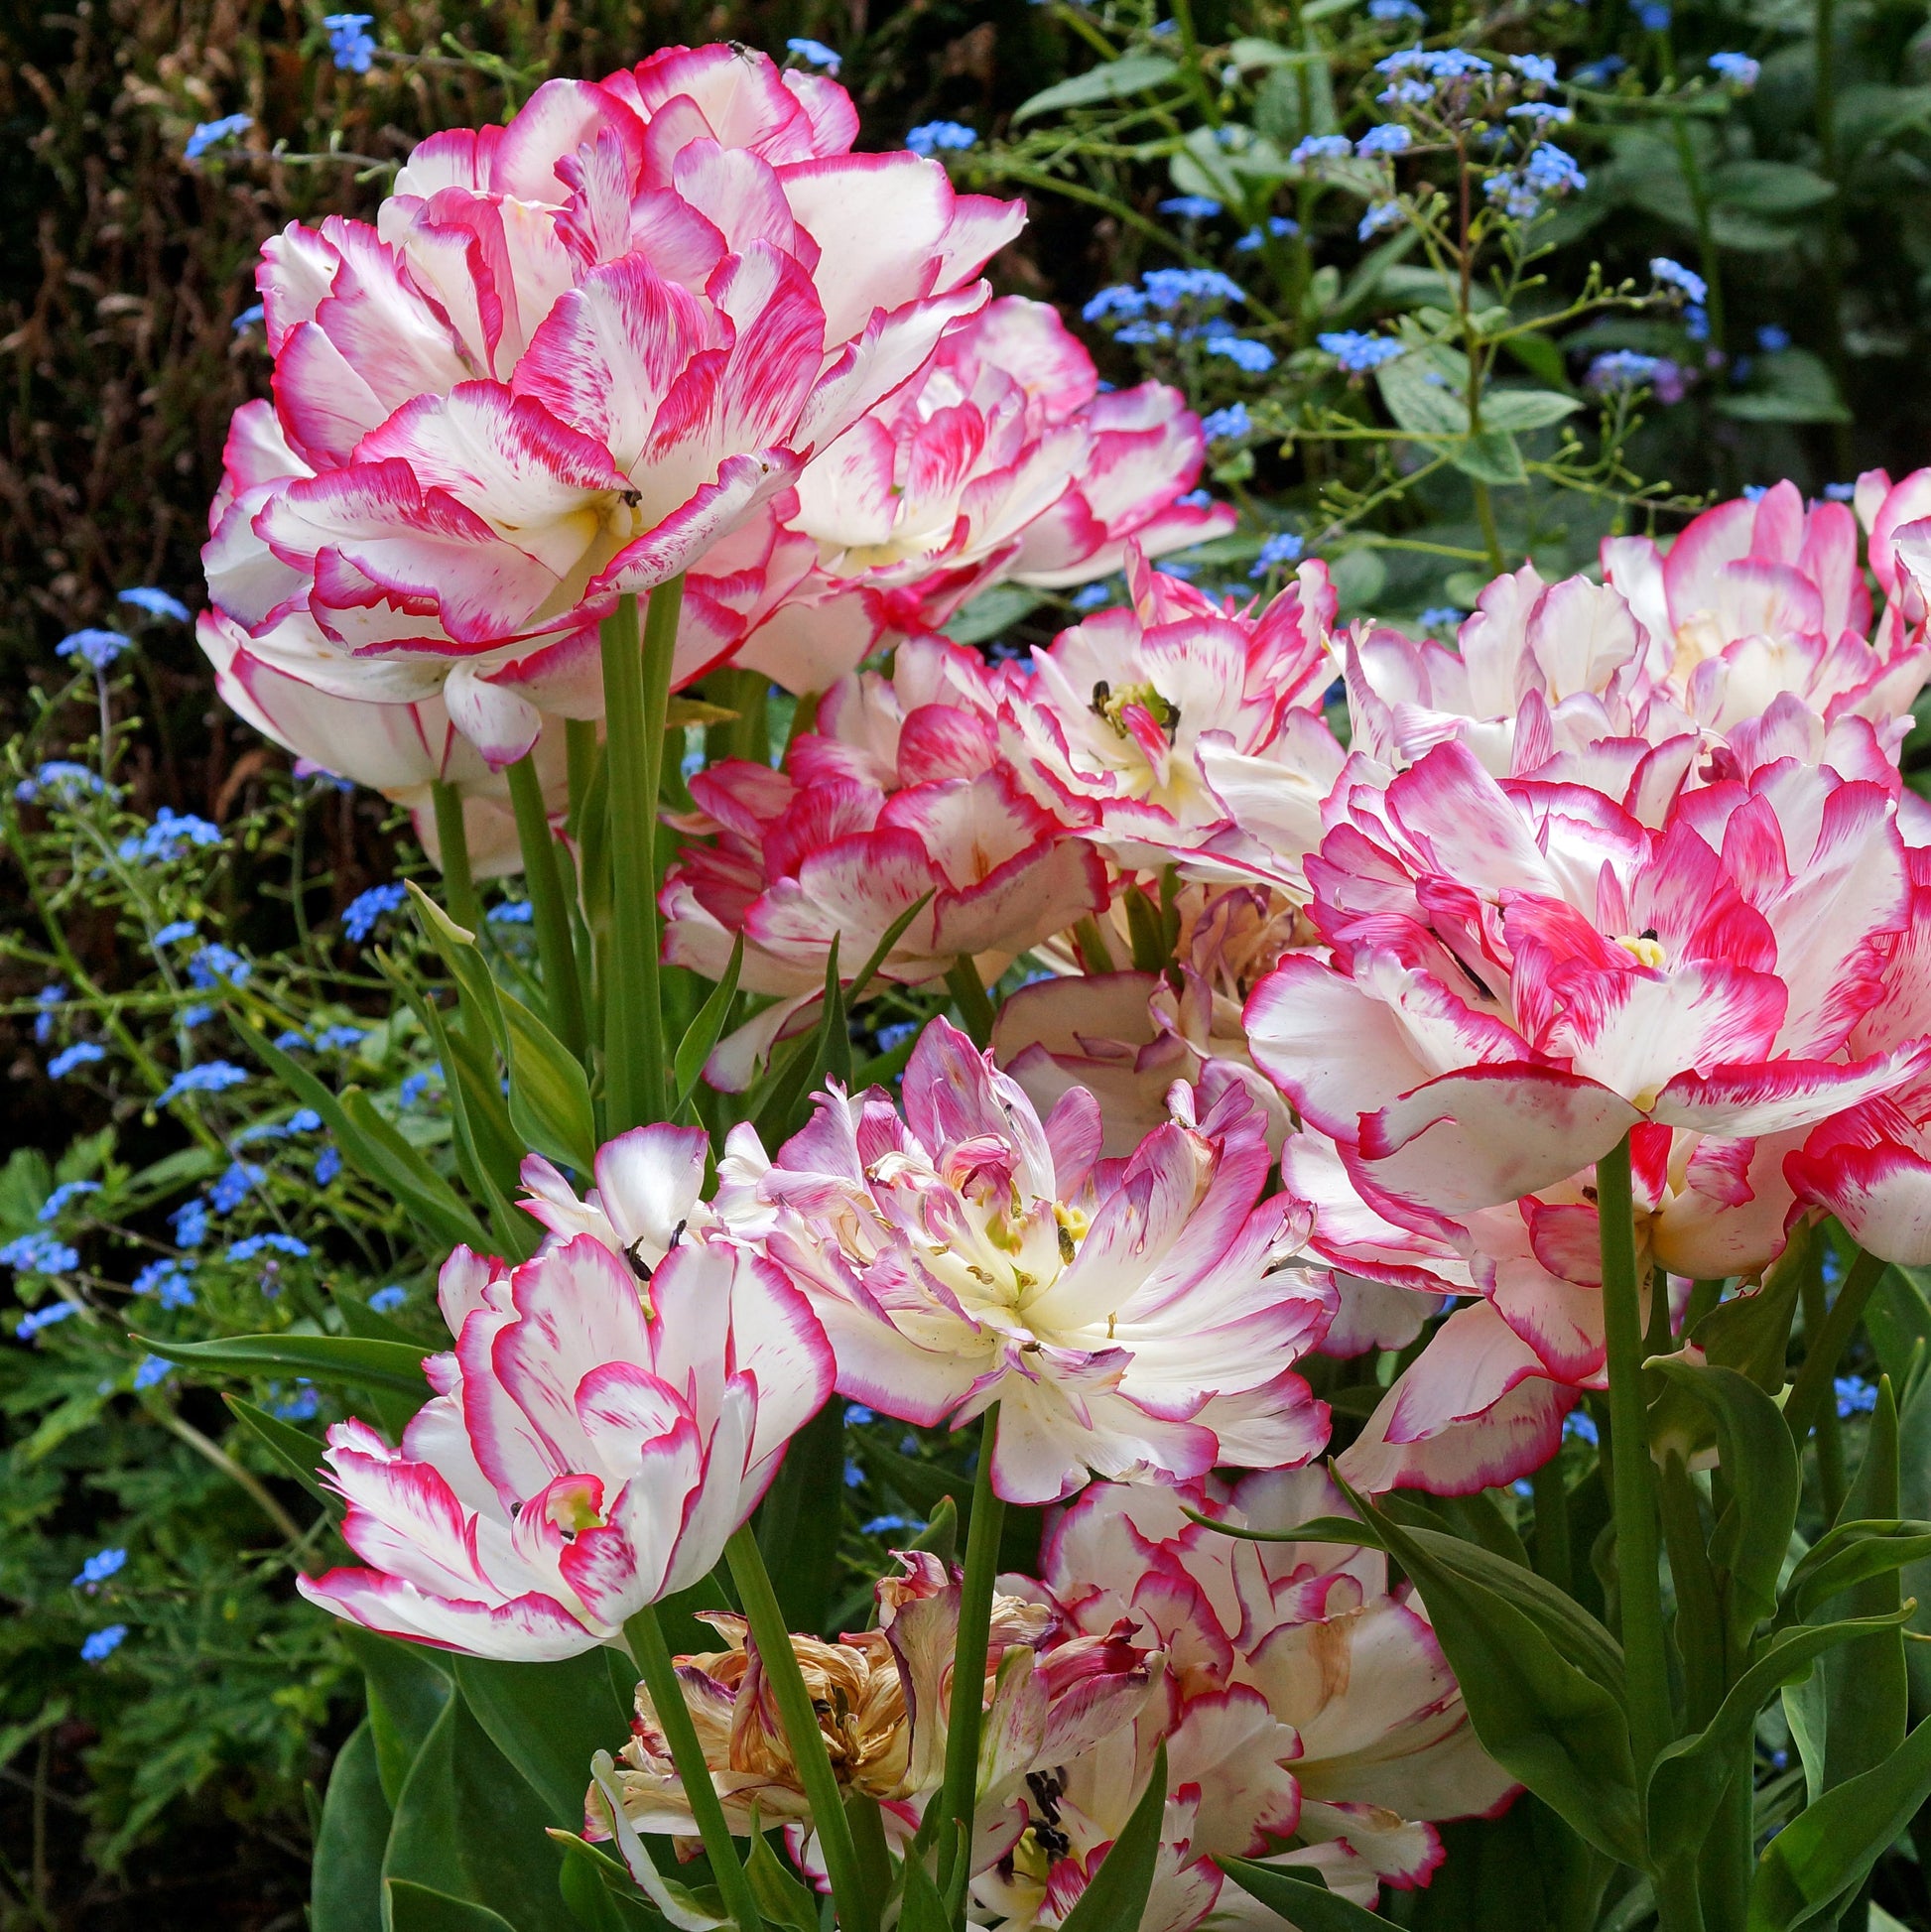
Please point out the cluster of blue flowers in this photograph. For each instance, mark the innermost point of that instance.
(1855, 1395)
(1283, 546)
(64, 779)
(1228, 425)
(385, 1301)
(1545, 173)
(512, 912)
(83, 1053)
(1623, 369)
(98, 1568)
(42, 1317)
(208, 134)
(171, 835)
(1357, 350)
(1418, 76)
(252, 1247)
(96, 649)
(350, 42)
(1191, 208)
(102, 1643)
(62, 1197)
(1673, 275)
(1278, 225)
(817, 54)
(363, 912)
(1738, 70)
(933, 136)
(38, 1253)
(169, 1280)
(210, 1077)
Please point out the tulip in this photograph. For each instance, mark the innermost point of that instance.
(1001, 462)
(1520, 975)
(1306, 1704)
(401, 751)
(1130, 1319)
(1141, 722)
(903, 797)
(592, 1443)
(571, 357)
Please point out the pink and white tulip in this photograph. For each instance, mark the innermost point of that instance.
(1304, 1703)
(1520, 973)
(397, 749)
(902, 796)
(592, 1445)
(1148, 725)
(1001, 462)
(572, 355)
(1131, 1318)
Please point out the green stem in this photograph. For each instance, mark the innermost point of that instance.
(1553, 1559)
(973, 1006)
(1639, 1591)
(1491, 536)
(458, 888)
(1096, 956)
(1707, 257)
(579, 749)
(1823, 1349)
(857, 1909)
(1830, 1438)
(652, 1656)
(1189, 63)
(544, 877)
(960, 1792)
(636, 693)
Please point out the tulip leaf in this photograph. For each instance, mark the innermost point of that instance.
(374, 1149)
(922, 1909)
(598, 1890)
(1846, 1555)
(298, 1452)
(782, 1899)
(331, 1358)
(1820, 1858)
(468, 1826)
(1301, 1896)
(345, 1876)
(464, 961)
(797, 1523)
(418, 1909)
(406, 1687)
(1687, 1780)
(1116, 1894)
(702, 1032)
(1752, 1535)
(549, 1097)
(550, 1719)
(1555, 1723)
(1866, 1687)
(1113, 81)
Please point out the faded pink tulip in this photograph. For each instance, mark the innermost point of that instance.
(1131, 1318)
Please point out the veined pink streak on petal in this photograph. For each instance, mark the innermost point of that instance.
(1786, 1093)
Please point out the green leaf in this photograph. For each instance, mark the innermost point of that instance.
(1822, 1857)
(464, 961)
(1846, 1555)
(1301, 1896)
(417, 1908)
(1490, 457)
(1555, 1723)
(923, 1910)
(1771, 187)
(801, 1519)
(1792, 386)
(346, 1878)
(549, 1719)
(374, 1149)
(781, 1897)
(298, 1452)
(1866, 1687)
(467, 1825)
(550, 1098)
(600, 1892)
(1135, 74)
(407, 1686)
(331, 1358)
(1687, 1780)
(1425, 392)
(1527, 409)
(702, 1032)
(1752, 1535)
(1116, 1893)
(991, 613)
